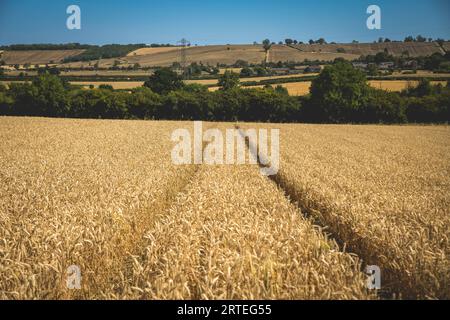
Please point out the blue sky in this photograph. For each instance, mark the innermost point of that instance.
(218, 21)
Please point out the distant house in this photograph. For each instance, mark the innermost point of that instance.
(360, 65)
(386, 65)
(313, 69)
(280, 71)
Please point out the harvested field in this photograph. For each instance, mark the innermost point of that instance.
(229, 54)
(254, 79)
(395, 48)
(146, 51)
(38, 56)
(297, 88)
(294, 88)
(206, 54)
(107, 73)
(285, 53)
(419, 73)
(399, 85)
(114, 84)
(303, 87)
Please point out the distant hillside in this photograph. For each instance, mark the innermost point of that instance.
(38, 56)
(228, 54)
(212, 55)
(394, 48)
(222, 54)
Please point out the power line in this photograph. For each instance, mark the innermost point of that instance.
(183, 55)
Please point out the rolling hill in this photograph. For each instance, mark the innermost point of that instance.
(38, 56)
(229, 54)
(395, 48)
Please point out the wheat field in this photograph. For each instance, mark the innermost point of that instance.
(104, 195)
(383, 191)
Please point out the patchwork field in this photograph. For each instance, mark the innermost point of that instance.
(104, 195)
(294, 88)
(399, 85)
(212, 55)
(395, 48)
(285, 53)
(145, 51)
(38, 56)
(303, 88)
(229, 54)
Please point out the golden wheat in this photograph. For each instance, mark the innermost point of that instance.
(78, 192)
(383, 191)
(104, 195)
(234, 235)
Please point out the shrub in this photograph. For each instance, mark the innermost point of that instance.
(106, 87)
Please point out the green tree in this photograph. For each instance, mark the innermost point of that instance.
(267, 45)
(372, 69)
(143, 103)
(229, 80)
(339, 92)
(246, 72)
(164, 80)
(50, 98)
(288, 41)
(419, 38)
(281, 90)
(260, 71)
(424, 88)
(6, 103)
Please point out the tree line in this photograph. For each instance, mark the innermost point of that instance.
(340, 94)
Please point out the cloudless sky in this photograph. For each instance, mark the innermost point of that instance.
(218, 21)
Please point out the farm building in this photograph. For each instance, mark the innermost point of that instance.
(313, 69)
(360, 65)
(386, 65)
